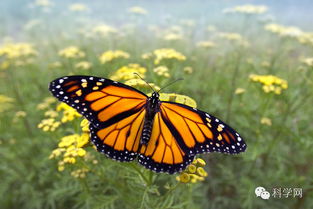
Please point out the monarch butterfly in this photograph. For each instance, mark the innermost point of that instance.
(125, 124)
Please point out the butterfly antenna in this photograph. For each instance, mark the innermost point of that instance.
(145, 81)
(179, 79)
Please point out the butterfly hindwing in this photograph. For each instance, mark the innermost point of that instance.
(163, 153)
(102, 101)
(198, 132)
(119, 141)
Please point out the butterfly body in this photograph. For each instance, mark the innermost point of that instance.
(152, 107)
(126, 124)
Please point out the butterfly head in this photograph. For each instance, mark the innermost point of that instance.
(154, 101)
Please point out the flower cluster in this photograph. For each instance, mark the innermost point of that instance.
(71, 52)
(266, 121)
(71, 147)
(194, 172)
(206, 44)
(270, 83)
(247, 9)
(165, 53)
(111, 55)
(5, 103)
(308, 61)
(80, 173)
(47, 102)
(172, 37)
(138, 10)
(162, 71)
(43, 3)
(182, 99)
(139, 83)
(235, 37)
(188, 70)
(128, 72)
(102, 30)
(83, 65)
(69, 113)
(78, 7)
(283, 31)
(17, 54)
(49, 124)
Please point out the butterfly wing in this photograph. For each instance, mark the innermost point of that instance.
(180, 132)
(121, 140)
(163, 152)
(198, 132)
(115, 111)
(102, 101)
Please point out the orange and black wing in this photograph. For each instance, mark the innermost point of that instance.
(163, 153)
(115, 111)
(102, 101)
(121, 140)
(199, 132)
(180, 132)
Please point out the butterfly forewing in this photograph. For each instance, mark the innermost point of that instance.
(198, 132)
(102, 101)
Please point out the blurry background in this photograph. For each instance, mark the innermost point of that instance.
(248, 63)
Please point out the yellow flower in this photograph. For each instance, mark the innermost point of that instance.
(240, 91)
(266, 121)
(83, 140)
(270, 83)
(85, 125)
(49, 124)
(56, 64)
(17, 50)
(71, 52)
(162, 71)
(205, 44)
(184, 178)
(103, 30)
(84, 65)
(172, 37)
(5, 103)
(201, 172)
(18, 115)
(188, 70)
(78, 7)
(80, 173)
(46, 103)
(51, 114)
(4, 65)
(192, 168)
(173, 97)
(308, 61)
(128, 72)
(138, 10)
(194, 172)
(146, 55)
(139, 83)
(161, 54)
(247, 9)
(111, 55)
(199, 162)
(69, 113)
(284, 31)
(43, 3)
(236, 38)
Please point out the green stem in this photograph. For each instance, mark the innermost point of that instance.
(140, 173)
